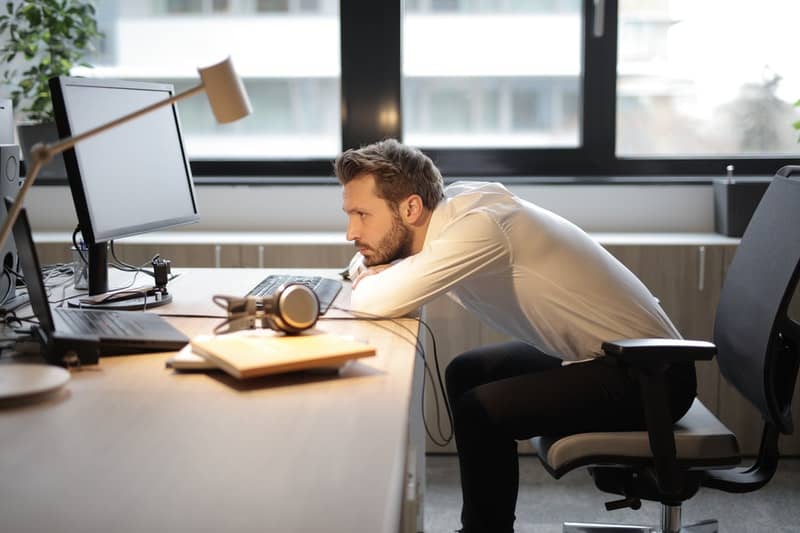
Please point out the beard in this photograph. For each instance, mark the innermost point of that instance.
(396, 244)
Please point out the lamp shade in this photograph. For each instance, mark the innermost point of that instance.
(225, 91)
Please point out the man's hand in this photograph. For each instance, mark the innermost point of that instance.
(370, 271)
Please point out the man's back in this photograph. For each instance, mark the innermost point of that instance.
(563, 291)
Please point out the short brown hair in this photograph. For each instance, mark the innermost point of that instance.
(399, 171)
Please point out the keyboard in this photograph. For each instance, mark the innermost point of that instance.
(326, 289)
(97, 323)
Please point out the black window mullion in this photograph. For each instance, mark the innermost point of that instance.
(371, 71)
(599, 87)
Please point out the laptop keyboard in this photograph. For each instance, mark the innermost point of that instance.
(326, 289)
(97, 323)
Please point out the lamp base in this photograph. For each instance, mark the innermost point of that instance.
(24, 382)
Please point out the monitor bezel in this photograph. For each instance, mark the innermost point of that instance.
(74, 176)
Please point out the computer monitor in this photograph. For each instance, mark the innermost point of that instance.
(131, 179)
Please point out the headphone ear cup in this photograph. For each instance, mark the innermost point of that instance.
(294, 308)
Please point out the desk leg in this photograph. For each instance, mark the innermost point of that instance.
(414, 497)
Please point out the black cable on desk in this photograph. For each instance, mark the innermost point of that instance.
(442, 439)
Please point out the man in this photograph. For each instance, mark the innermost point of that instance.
(526, 272)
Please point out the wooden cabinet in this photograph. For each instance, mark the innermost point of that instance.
(219, 250)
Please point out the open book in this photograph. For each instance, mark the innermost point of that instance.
(252, 353)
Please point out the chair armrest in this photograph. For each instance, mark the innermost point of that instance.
(646, 352)
(648, 359)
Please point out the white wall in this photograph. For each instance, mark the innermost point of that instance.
(596, 208)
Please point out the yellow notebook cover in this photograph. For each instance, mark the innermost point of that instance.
(251, 354)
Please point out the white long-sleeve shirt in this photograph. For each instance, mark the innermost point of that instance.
(523, 270)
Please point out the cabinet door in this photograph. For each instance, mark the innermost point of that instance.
(687, 281)
(455, 331)
(744, 419)
(182, 255)
(54, 252)
(297, 255)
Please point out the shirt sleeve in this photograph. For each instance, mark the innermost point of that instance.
(356, 266)
(468, 247)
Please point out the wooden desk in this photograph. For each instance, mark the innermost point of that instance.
(129, 445)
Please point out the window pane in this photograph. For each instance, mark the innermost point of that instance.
(289, 62)
(707, 78)
(492, 73)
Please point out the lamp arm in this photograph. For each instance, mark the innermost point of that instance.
(43, 153)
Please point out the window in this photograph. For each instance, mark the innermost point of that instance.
(512, 62)
(706, 78)
(534, 89)
(287, 53)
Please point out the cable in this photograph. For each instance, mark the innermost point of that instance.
(11, 285)
(442, 439)
(122, 265)
(78, 249)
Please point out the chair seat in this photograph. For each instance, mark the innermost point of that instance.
(701, 440)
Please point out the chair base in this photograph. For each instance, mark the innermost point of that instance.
(706, 526)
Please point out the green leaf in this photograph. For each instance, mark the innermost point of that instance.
(44, 38)
(796, 125)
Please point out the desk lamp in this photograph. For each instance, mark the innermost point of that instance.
(229, 102)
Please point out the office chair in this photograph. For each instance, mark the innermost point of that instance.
(757, 345)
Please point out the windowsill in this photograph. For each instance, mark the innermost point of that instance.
(319, 238)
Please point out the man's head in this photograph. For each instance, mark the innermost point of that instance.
(389, 192)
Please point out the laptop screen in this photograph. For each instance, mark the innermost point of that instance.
(31, 270)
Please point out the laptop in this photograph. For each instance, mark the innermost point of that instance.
(118, 332)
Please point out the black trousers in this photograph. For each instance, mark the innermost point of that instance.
(507, 392)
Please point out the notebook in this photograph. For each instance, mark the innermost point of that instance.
(252, 353)
(118, 331)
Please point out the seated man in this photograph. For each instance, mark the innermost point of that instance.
(526, 272)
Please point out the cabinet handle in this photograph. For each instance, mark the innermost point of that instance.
(217, 255)
(598, 27)
(701, 275)
(260, 256)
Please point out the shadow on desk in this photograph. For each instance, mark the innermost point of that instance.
(352, 371)
(45, 399)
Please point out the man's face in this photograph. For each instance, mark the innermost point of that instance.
(375, 228)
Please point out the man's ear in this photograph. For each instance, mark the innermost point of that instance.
(411, 209)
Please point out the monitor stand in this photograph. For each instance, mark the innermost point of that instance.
(100, 298)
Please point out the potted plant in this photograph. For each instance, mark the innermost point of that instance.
(42, 39)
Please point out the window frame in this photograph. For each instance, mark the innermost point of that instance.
(371, 87)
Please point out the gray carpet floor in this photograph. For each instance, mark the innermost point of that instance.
(544, 503)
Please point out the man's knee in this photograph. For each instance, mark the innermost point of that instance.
(461, 375)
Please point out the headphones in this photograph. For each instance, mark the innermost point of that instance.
(292, 308)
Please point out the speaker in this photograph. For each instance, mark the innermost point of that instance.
(10, 182)
(6, 121)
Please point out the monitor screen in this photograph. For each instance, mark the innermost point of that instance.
(126, 180)
(130, 179)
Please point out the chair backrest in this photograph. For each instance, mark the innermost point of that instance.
(757, 343)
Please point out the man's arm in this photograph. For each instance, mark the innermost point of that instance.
(469, 246)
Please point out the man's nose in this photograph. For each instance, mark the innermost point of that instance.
(352, 231)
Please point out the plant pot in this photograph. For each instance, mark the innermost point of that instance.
(46, 132)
